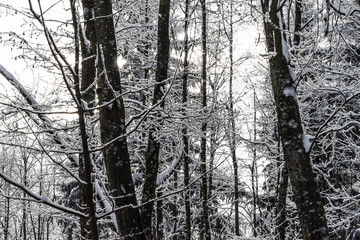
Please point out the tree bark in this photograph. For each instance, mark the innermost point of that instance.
(112, 125)
(297, 23)
(85, 168)
(254, 176)
(153, 148)
(205, 231)
(85, 92)
(281, 222)
(184, 131)
(175, 211)
(24, 215)
(88, 54)
(159, 217)
(232, 135)
(294, 141)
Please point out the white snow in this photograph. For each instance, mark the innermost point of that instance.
(267, 17)
(167, 172)
(106, 203)
(285, 46)
(110, 106)
(292, 74)
(292, 123)
(17, 84)
(35, 105)
(123, 189)
(306, 142)
(41, 199)
(137, 177)
(289, 92)
(86, 10)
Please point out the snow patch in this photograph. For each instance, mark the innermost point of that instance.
(289, 92)
(292, 74)
(123, 189)
(267, 17)
(43, 199)
(86, 10)
(107, 205)
(306, 142)
(292, 123)
(167, 172)
(284, 45)
(137, 178)
(110, 106)
(11, 78)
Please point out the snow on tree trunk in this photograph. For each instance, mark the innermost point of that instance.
(306, 194)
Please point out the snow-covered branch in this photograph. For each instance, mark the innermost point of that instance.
(41, 198)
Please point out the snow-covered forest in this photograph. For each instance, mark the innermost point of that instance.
(188, 119)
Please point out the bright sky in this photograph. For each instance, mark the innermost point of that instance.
(10, 22)
(34, 79)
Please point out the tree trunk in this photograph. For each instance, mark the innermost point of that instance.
(254, 176)
(212, 150)
(184, 131)
(293, 139)
(281, 222)
(112, 125)
(147, 43)
(232, 136)
(205, 231)
(153, 148)
(159, 217)
(86, 92)
(88, 54)
(7, 204)
(85, 170)
(24, 215)
(175, 211)
(297, 27)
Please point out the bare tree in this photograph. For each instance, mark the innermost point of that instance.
(295, 143)
(112, 124)
(205, 231)
(153, 148)
(185, 131)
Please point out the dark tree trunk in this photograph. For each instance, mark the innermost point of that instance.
(205, 230)
(112, 125)
(297, 27)
(153, 148)
(184, 131)
(281, 222)
(7, 205)
(89, 227)
(159, 217)
(232, 136)
(293, 139)
(86, 92)
(24, 215)
(254, 177)
(147, 41)
(88, 54)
